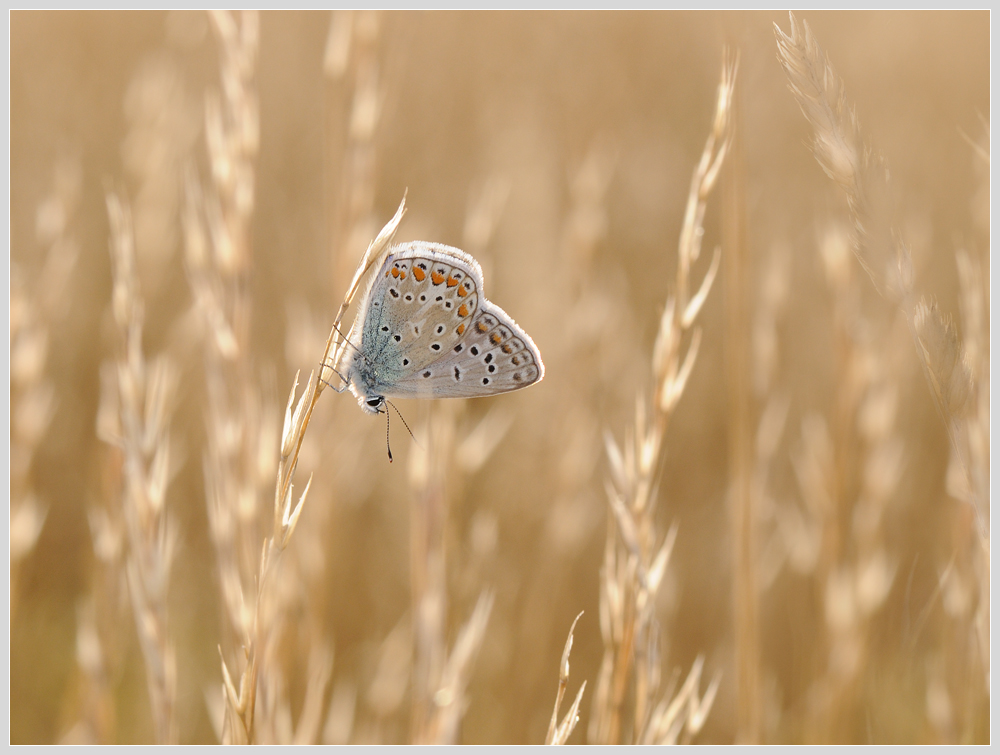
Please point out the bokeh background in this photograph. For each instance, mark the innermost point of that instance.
(558, 148)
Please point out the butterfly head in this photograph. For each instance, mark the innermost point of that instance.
(372, 404)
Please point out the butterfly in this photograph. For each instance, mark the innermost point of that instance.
(427, 330)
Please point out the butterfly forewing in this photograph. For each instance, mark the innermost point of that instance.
(430, 332)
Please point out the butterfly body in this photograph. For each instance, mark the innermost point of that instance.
(425, 329)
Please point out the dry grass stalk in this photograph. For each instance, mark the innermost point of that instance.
(218, 257)
(145, 394)
(848, 470)
(863, 174)
(947, 366)
(635, 559)
(102, 640)
(35, 306)
(959, 684)
(767, 552)
(297, 586)
(440, 677)
(744, 503)
(436, 474)
(101, 643)
(241, 442)
(559, 732)
(241, 701)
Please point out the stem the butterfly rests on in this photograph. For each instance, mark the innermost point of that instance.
(286, 514)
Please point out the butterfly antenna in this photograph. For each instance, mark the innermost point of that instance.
(404, 424)
(387, 432)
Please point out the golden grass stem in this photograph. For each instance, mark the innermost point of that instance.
(743, 502)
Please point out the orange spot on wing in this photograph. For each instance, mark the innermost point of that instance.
(495, 338)
(481, 327)
(463, 311)
(461, 328)
(395, 272)
(437, 278)
(452, 282)
(506, 348)
(419, 274)
(462, 291)
(402, 275)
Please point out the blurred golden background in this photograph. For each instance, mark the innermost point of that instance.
(190, 195)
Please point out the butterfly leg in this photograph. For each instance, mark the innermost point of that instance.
(342, 388)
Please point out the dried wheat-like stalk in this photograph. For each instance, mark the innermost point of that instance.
(218, 255)
(560, 731)
(241, 701)
(863, 174)
(145, 392)
(436, 475)
(635, 558)
(761, 548)
(102, 642)
(975, 303)
(958, 685)
(297, 583)
(947, 366)
(440, 677)
(772, 418)
(848, 470)
(161, 129)
(240, 439)
(744, 502)
(35, 306)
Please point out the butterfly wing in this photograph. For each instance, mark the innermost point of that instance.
(430, 332)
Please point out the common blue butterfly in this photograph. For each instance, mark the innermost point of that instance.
(425, 329)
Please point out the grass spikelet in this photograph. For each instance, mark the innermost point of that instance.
(841, 150)
(560, 731)
(146, 394)
(941, 353)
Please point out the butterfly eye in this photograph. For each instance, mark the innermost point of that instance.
(374, 401)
